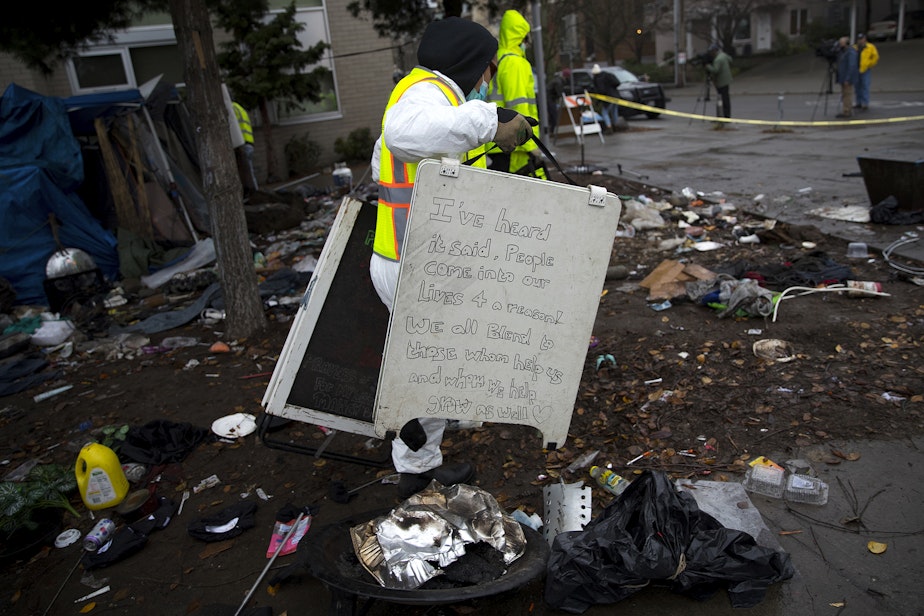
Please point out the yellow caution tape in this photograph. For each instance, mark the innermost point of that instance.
(680, 114)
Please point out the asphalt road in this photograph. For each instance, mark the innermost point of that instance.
(762, 164)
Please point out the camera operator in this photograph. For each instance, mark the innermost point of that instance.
(848, 73)
(719, 68)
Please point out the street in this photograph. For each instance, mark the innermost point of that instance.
(796, 169)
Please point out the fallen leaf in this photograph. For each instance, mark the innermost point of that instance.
(790, 532)
(875, 547)
(88, 607)
(215, 548)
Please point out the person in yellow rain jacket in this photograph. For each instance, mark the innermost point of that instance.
(514, 87)
(869, 57)
(437, 110)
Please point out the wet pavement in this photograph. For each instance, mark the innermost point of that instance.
(790, 173)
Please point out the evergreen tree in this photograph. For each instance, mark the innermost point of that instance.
(264, 62)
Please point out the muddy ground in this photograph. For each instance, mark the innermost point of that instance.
(683, 384)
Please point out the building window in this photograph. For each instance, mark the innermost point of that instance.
(140, 54)
(797, 20)
(133, 58)
(315, 22)
(743, 29)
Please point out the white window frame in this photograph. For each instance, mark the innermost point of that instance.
(327, 61)
(121, 45)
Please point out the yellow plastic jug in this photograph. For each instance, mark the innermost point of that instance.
(100, 478)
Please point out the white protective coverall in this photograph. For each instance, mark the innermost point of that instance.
(425, 124)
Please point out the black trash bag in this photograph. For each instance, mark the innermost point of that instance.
(226, 524)
(654, 533)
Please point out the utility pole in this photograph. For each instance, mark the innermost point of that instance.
(539, 56)
(678, 34)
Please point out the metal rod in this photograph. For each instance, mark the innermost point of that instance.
(64, 583)
(270, 563)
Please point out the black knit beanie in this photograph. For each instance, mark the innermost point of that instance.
(458, 48)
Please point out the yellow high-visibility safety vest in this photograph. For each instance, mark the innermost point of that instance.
(243, 120)
(396, 178)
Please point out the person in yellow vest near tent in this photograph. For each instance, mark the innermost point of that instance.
(243, 120)
(514, 87)
(436, 110)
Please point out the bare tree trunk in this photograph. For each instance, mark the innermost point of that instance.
(221, 182)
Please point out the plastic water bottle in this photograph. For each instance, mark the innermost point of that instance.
(608, 480)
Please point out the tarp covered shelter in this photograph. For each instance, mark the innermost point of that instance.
(114, 175)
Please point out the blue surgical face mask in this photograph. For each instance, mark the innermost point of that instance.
(481, 94)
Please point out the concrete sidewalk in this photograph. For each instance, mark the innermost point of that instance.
(899, 70)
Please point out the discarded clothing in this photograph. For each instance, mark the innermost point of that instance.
(161, 441)
(809, 270)
(886, 213)
(24, 374)
(653, 532)
(169, 320)
(226, 524)
(128, 540)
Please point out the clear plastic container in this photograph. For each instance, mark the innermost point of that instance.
(805, 489)
(766, 480)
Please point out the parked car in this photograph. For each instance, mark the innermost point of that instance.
(887, 27)
(631, 88)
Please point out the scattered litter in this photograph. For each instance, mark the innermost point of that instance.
(605, 359)
(773, 349)
(533, 521)
(51, 393)
(857, 250)
(770, 479)
(582, 461)
(192, 363)
(235, 425)
(183, 501)
(875, 547)
(707, 246)
(95, 593)
(262, 494)
(851, 213)
(220, 347)
(209, 482)
(661, 306)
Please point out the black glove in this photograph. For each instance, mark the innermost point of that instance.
(413, 435)
(505, 115)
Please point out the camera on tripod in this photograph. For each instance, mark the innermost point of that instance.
(701, 59)
(828, 50)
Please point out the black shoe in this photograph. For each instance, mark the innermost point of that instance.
(447, 474)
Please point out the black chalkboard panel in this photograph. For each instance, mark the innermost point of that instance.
(339, 371)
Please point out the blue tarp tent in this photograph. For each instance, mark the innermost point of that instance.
(40, 170)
